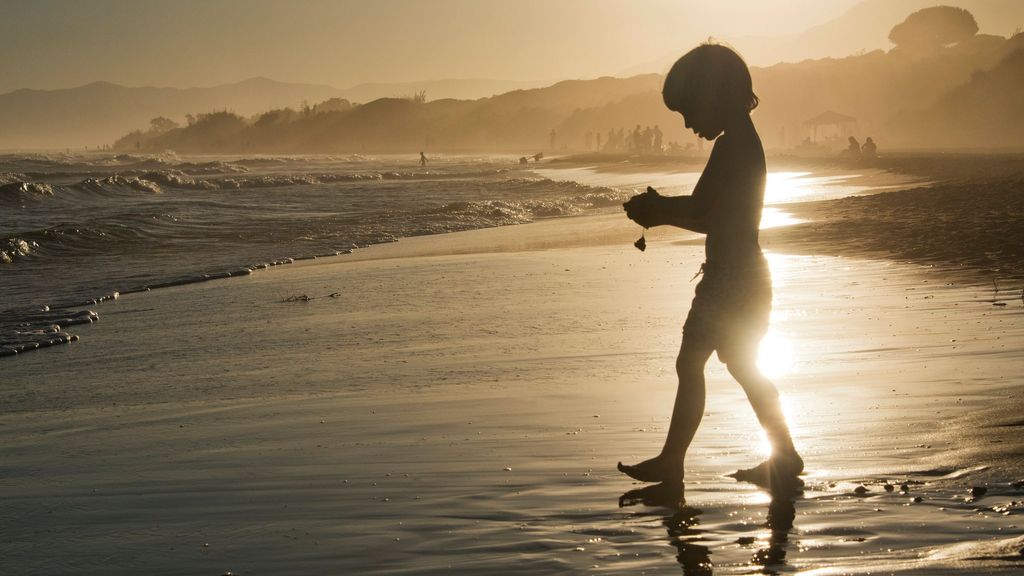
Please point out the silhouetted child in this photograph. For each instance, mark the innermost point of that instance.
(711, 87)
(423, 159)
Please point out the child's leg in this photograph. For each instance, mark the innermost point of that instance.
(689, 405)
(764, 398)
(686, 416)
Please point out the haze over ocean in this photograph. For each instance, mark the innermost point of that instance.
(398, 287)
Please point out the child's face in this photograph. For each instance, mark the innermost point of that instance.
(703, 125)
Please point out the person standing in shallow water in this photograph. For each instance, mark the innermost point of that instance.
(710, 87)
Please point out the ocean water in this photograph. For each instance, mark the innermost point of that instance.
(78, 229)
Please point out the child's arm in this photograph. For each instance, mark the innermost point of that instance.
(686, 212)
(652, 209)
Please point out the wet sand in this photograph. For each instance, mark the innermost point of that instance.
(972, 226)
(461, 407)
(958, 211)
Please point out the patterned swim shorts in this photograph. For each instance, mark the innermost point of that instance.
(731, 309)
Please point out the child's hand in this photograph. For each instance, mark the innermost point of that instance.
(645, 209)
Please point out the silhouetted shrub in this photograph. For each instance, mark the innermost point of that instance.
(933, 28)
(162, 124)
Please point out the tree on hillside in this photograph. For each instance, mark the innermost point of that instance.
(218, 122)
(332, 105)
(278, 116)
(162, 124)
(933, 28)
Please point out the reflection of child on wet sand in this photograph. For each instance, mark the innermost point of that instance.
(710, 86)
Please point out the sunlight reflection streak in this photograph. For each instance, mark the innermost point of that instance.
(775, 357)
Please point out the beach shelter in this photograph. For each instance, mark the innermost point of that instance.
(831, 125)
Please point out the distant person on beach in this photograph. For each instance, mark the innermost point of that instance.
(423, 159)
(711, 87)
(869, 149)
(853, 148)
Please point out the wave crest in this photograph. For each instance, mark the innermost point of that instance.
(133, 182)
(14, 248)
(19, 191)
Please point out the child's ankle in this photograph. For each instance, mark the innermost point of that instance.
(670, 458)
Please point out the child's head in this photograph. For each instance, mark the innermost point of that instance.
(709, 86)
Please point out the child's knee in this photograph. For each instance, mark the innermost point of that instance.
(754, 383)
(742, 370)
(690, 365)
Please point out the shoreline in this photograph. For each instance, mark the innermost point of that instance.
(907, 221)
(894, 218)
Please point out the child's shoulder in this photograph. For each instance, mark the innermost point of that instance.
(743, 133)
(740, 142)
(732, 145)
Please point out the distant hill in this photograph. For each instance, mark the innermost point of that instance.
(881, 88)
(458, 89)
(986, 111)
(520, 119)
(865, 27)
(959, 94)
(963, 96)
(861, 29)
(98, 113)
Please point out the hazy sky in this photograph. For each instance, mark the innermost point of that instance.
(64, 43)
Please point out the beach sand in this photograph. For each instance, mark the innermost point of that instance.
(971, 227)
(460, 406)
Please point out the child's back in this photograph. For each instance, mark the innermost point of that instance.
(732, 187)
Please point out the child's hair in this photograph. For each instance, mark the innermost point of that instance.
(712, 78)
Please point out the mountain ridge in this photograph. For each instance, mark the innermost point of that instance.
(98, 112)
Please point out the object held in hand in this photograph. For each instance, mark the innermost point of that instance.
(636, 207)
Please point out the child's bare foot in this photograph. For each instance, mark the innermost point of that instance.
(779, 472)
(657, 469)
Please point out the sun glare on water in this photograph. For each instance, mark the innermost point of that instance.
(786, 187)
(774, 217)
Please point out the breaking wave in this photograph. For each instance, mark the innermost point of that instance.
(74, 232)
